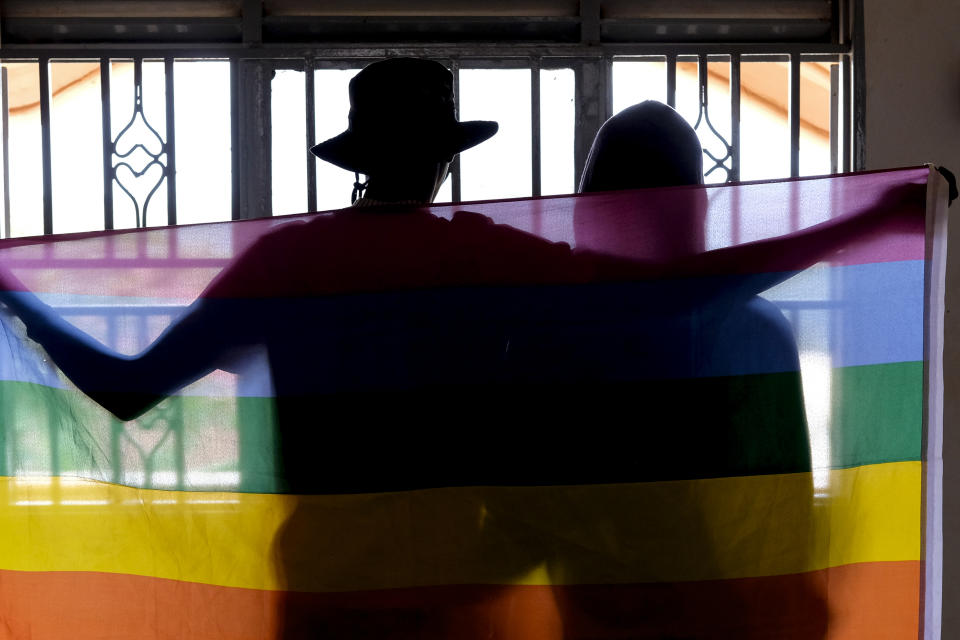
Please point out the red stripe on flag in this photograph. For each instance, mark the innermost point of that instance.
(868, 600)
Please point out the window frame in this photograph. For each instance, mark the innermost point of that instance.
(252, 62)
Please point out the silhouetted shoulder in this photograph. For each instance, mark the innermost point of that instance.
(356, 251)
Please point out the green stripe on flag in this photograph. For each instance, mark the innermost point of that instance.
(644, 431)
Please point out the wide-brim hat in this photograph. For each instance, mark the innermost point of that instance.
(402, 108)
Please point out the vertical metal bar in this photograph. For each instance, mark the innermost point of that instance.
(859, 128)
(733, 175)
(116, 450)
(106, 127)
(589, 108)
(171, 144)
(255, 138)
(834, 117)
(794, 114)
(735, 117)
(53, 430)
(5, 107)
(455, 165)
(589, 21)
(672, 80)
(535, 127)
(608, 88)
(141, 215)
(235, 207)
(138, 80)
(835, 21)
(847, 85)
(843, 22)
(47, 160)
(180, 449)
(252, 17)
(702, 79)
(311, 128)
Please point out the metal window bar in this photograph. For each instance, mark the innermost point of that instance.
(236, 212)
(169, 146)
(106, 136)
(608, 84)
(311, 129)
(53, 431)
(590, 106)
(834, 117)
(45, 144)
(535, 163)
(455, 184)
(847, 84)
(794, 115)
(672, 80)
(5, 107)
(703, 117)
(734, 173)
(858, 89)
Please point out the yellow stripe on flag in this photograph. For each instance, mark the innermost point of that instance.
(591, 534)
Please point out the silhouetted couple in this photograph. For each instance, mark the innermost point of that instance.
(397, 365)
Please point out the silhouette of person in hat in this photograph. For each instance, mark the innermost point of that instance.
(403, 132)
(367, 388)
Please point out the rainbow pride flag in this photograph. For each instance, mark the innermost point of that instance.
(705, 412)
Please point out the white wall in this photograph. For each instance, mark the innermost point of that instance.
(913, 116)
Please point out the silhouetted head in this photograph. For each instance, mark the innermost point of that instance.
(402, 123)
(646, 145)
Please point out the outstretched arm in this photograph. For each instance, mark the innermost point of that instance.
(765, 263)
(125, 385)
(808, 246)
(204, 338)
(773, 260)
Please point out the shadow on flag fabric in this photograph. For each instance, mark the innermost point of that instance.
(694, 412)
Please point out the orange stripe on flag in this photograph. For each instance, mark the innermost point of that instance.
(861, 601)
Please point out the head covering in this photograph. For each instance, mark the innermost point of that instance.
(401, 108)
(646, 145)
